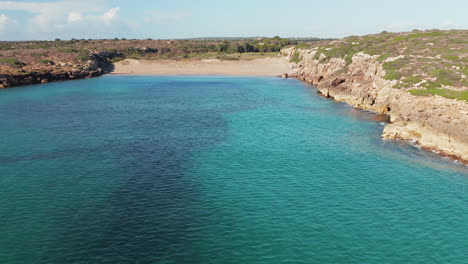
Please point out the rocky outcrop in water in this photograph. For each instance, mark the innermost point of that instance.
(97, 65)
(45, 77)
(434, 122)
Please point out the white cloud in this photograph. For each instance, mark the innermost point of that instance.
(4, 21)
(54, 7)
(74, 17)
(68, 19)
(7, 25)
(159, 16)
(110, 15)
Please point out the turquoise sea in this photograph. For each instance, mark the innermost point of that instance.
(122, 169)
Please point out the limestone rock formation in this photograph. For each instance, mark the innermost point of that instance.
(434, 122)
(93, 67)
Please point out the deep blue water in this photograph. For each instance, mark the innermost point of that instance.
(124, 169)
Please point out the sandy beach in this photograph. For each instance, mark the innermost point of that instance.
(256, 67)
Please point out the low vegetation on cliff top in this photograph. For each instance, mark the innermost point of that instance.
(423, 62)
(59, 55)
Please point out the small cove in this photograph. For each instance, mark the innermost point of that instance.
(146, 169)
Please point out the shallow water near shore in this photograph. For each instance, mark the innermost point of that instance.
(145, 169)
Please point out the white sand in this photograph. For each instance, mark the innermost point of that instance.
(257, 67)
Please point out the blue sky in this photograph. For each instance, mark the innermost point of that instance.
(65, 19)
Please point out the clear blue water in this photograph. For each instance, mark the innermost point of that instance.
(124, 169)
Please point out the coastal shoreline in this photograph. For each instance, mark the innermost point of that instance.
(386, 118)
(255, 67)
(369, 93)
(263, 67)
(434, 123)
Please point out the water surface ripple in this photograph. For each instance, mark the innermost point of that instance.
(143, 169)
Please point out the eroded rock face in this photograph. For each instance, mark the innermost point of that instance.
(93, 69)
(434, 122)
(44, 77)
(337, 81)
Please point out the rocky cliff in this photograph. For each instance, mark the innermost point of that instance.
(7, 80)
(434, 122)
(95, 65)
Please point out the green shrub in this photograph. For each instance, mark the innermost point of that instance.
(427, 34)
(392, 75)
(45, 61)
(83, 55)
(431, 85)
(392, 68)
(303, 46)
(451, 57)
(444, 77)
(460, 95)
(37, 54)
(296, 57)
(7, 60)
(411, 80)
(116, 59)
(344, 52)
(317, 54)
(226, 57)
(12, 62)
(383, 57)
(69, 50)
(224, 47)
